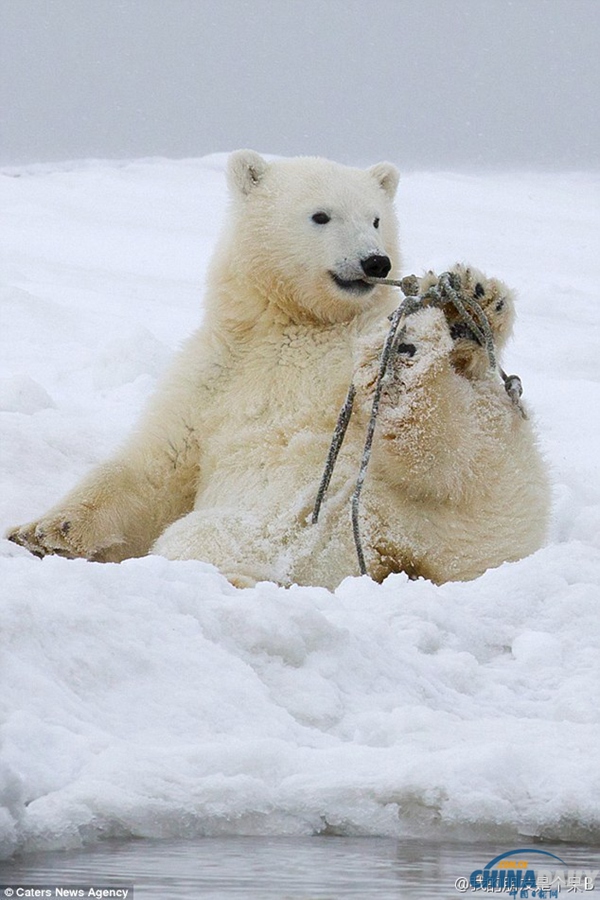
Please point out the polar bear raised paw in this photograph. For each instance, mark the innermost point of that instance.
(421, 346)
(469, 356)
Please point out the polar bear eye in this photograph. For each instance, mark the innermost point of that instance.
(376, 222)
(321, 218)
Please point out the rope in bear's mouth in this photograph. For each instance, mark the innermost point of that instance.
(447, 290)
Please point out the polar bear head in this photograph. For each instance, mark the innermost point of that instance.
(304, 232)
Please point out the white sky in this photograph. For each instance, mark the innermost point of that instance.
(427, 83)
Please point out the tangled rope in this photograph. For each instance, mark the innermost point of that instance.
(447, 290)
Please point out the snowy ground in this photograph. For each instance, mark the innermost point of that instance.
(151, 698)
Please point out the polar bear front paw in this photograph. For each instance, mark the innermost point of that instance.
(421, 345)
(469, 355)
(70, 533)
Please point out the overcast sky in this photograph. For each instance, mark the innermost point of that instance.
(426, 83)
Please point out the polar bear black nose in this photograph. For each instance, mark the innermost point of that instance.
(376, 266)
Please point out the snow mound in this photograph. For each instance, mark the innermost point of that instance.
(20, 393)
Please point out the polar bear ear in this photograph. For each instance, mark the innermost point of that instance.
(388, 177)
(245, 169)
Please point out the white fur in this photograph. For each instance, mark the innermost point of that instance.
(226, 462)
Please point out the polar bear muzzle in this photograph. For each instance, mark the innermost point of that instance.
(375, 265)
(353, 286)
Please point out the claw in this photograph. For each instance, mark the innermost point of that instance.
(14, 536)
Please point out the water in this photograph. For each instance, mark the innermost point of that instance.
(318, 868)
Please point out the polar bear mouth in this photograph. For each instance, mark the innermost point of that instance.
(352, 285)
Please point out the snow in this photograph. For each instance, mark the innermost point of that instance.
(152, 698)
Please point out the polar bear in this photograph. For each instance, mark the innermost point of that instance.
(226, 462)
